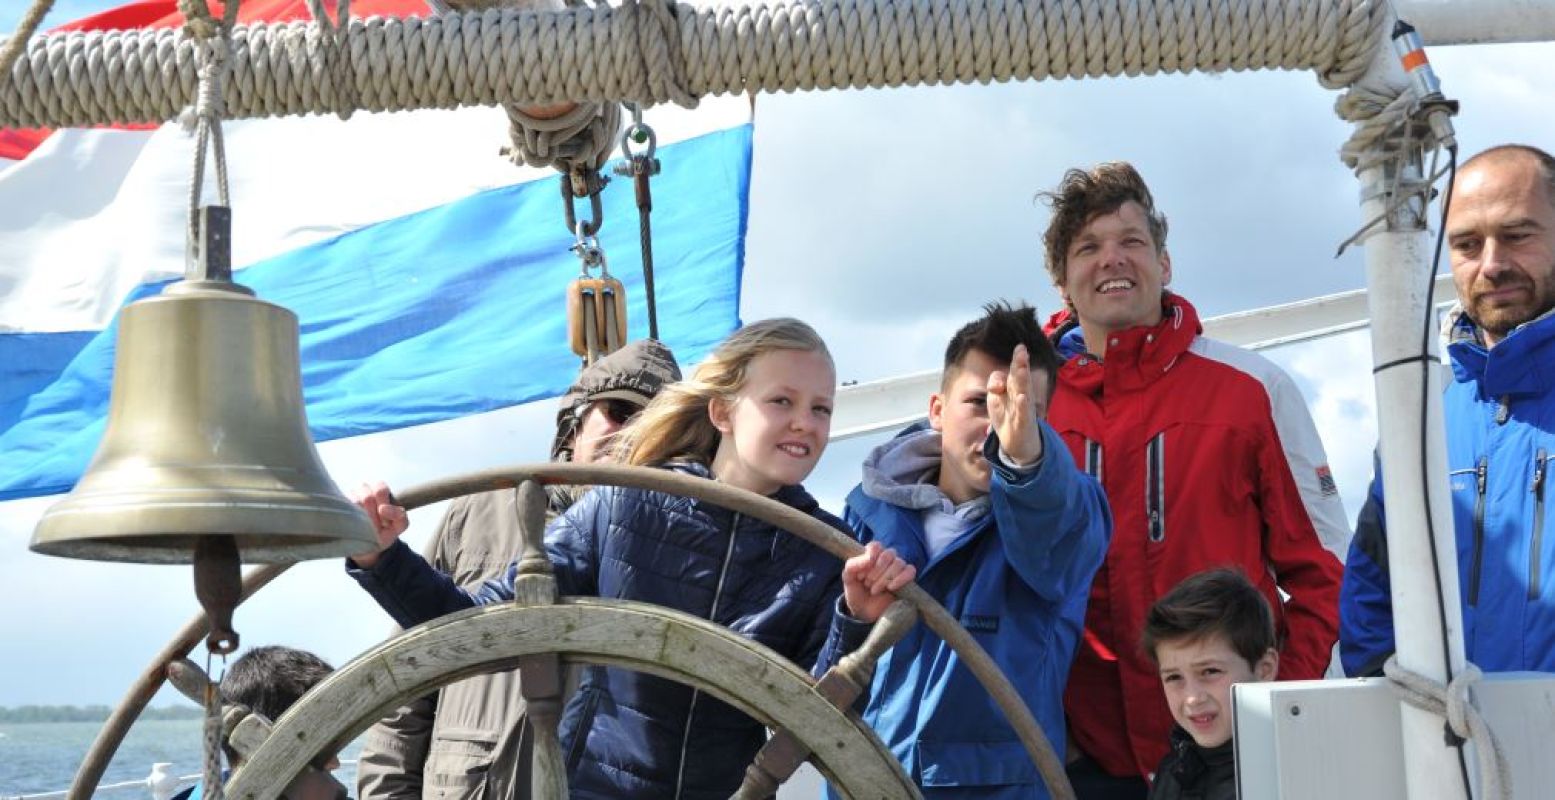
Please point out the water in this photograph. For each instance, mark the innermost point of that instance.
(42, 757)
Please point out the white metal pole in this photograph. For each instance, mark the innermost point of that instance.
(1428, 623)
(1480, 21)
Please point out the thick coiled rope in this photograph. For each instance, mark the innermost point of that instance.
(650, 52)
(583, 138)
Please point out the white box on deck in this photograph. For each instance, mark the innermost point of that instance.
(1340, 740)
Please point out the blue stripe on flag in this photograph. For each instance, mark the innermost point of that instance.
(451, 311)
(32, 361)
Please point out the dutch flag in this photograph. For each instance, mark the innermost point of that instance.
(427, 271)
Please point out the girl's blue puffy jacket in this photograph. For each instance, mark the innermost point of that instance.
(627, 734)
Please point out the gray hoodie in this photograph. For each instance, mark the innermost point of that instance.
(904, 472)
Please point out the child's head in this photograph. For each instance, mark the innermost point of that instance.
(757, 410)
(1211, 631)
(268, 681)
(959, 411)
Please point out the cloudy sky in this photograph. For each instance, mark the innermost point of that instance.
(884, 218)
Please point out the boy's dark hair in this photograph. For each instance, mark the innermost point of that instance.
(995, 334)
(269, 680)
(1218, 601)
(1084, 195)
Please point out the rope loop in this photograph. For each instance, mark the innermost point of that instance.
(1452, 703)
(1377, 117)
(212, 43)
(656, 32)
(584, 137)
(335, 54)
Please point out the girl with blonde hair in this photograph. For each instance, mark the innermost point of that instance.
(756, 415)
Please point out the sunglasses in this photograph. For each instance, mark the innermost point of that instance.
(618, 411)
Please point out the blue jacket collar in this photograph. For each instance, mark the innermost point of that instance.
(1520, 364)
(1071, 343)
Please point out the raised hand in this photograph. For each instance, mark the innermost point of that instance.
(388, 518)
(869, 578)
(1013, 408)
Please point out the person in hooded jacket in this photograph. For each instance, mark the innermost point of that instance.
(1005, 532)
(472, 738)
(1499, 410)
(755, 415)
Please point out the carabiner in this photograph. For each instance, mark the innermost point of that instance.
(596, 209)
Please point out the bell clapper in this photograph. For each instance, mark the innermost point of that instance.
(218, 584)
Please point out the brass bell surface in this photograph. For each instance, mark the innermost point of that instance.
(206, 434)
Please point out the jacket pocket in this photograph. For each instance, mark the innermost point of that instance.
(1093, 459)
(588, 703)
(458, 760)
(1155, 488)
(1481, 473)
(975, 764)
(1536, 543)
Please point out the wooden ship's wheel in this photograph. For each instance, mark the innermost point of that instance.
(635, 636)
(539, 633)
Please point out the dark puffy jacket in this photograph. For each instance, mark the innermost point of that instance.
(627, 734)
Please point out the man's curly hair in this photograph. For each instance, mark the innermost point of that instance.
(1083, 195)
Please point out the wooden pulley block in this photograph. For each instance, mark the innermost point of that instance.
(596, 315)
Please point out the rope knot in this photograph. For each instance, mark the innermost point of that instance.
(1377, 116)
(1458, 704)
(1452, 702)
(199, 22)
(208, 100)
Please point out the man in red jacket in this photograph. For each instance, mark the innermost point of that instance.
(1208, 457)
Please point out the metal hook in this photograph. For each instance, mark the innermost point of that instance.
(596, 208)
(590, 254)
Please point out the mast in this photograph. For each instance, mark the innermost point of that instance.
(1422, 545)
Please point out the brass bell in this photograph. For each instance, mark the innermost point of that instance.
(206, 435)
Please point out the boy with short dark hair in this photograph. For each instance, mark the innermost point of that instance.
(267, 681)
(1212, 631)
(1006, 533)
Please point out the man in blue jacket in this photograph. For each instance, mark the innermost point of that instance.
(1006, 533)
(1500, 415)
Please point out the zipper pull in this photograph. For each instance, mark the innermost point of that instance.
(1539, 465)
(1480, 472)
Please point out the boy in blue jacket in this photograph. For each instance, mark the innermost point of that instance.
(1006, 533)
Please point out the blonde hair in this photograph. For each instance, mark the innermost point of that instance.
(675, 425)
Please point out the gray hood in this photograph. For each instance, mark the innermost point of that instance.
(904, 471)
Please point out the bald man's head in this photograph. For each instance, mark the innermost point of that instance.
(1501, 233)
